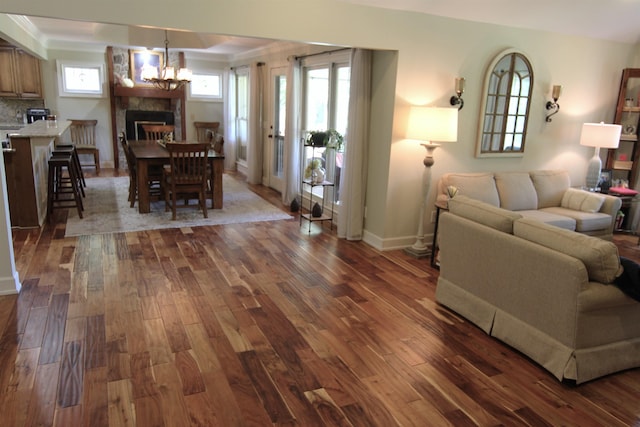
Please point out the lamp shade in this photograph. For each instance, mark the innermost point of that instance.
(600, 135)
(433, 124)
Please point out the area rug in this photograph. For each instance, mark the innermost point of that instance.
(107, 210)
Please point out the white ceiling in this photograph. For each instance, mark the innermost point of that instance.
(617, 20)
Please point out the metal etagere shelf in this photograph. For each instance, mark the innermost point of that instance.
(318, 183)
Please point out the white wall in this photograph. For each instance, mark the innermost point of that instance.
(67, 108)
(431, 52)
(203, 111)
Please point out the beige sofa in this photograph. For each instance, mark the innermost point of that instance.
(543, 290)
(544, 195)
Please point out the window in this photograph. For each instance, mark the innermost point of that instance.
(242, 113)
(326, 104)
(80, 79)
(206, 86)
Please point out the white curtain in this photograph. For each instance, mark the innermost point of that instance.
(354, 177)
(230, 131)
(292, 137)
(254, 149)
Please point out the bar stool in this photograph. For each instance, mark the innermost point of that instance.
(76, 159)
(75, 164)
(58, 185)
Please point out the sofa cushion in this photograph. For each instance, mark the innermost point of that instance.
(516, 191)
(551, 218)
(584, 221)
(581, 200)
(600, 257)
(483, 213)
(479, 186)
(550, 186)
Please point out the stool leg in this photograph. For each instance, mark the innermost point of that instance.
(76, 187)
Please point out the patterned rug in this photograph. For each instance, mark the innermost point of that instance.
(106, 209)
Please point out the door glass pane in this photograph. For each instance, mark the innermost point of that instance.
(280, 114)
(242, 114)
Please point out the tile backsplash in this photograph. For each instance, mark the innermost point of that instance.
(11, 110)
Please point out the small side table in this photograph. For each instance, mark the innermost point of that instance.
(440, 206)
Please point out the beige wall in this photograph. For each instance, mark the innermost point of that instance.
(423, 56)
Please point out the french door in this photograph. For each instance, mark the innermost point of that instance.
(273, 175)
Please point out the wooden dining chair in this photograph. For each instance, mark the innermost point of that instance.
(208, 132)
(156, 132)
(83, 137)
(154, 175)
(185, 175)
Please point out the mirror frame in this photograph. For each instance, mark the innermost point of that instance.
(483, 107)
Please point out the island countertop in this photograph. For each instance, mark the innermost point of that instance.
(43, 129)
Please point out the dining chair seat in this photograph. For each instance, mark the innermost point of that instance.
(187, 174)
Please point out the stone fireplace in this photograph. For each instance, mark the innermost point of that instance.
(131, 106)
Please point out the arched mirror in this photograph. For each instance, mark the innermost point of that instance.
(505, 111)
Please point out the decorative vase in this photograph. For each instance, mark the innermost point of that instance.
(316, 211)
(317, 175)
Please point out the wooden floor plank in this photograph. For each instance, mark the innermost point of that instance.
(263, 324)
(71, 374)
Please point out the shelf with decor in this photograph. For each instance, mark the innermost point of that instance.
(624, 160)
(319, 175)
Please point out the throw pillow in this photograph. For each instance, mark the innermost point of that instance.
(580, 200)
(479, 186)
(550, 186)
(600, 257)
(516, 190)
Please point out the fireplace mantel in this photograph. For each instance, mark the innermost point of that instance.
(146, 92)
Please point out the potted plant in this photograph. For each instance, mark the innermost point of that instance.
(330, 138)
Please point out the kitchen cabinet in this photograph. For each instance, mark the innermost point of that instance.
(26, 168)
(19, 74)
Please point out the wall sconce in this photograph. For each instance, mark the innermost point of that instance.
(457, 99)
(554, 106)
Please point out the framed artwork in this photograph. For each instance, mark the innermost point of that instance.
(140, 58)
(605, 180)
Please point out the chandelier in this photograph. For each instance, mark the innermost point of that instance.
(167, 80)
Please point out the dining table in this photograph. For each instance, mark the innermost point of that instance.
(151, 152)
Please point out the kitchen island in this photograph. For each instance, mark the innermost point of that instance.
(26, 169)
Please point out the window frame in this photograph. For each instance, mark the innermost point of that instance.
(332, 62)
(63, 86)
(203, 97)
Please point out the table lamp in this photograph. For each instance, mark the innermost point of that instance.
(598, 135)
(428, 124)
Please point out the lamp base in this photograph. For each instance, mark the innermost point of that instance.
(418, 253)
(593, 171)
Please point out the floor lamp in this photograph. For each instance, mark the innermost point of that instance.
(428, 124)
(598, 135)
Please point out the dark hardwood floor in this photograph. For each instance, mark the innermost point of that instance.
(262, 324)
